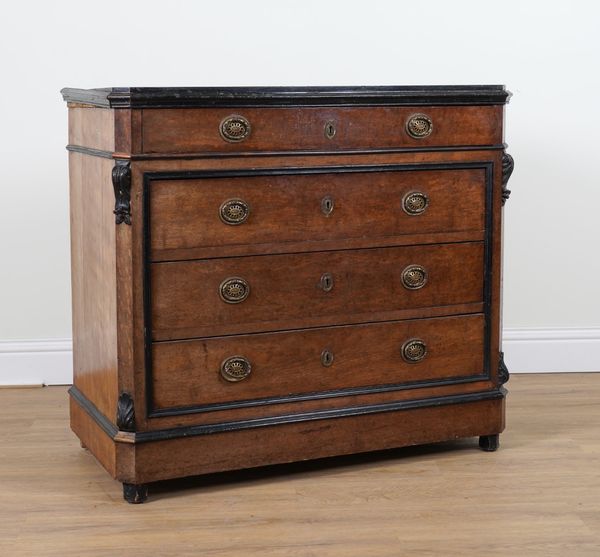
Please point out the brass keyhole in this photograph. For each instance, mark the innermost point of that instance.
(330, 130)
(326, 357)
(326, 282)
(327, 205)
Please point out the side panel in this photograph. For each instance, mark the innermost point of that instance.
(93, 128)
(93, 278)
(93, 437)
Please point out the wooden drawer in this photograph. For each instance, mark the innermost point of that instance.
(284, 364)
(196, 130)
(192, 218)
(310, 289)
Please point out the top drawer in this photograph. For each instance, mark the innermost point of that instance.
(197, 130)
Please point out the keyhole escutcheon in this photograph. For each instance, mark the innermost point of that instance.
(326, 282)
(330, 129)
(327, 205)
(326, 357)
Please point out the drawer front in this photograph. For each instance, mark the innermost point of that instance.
(262, 293)
(323, 129)
(187, 215)
(211, 371)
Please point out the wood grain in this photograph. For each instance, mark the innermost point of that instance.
(184, 214)
(285, 290)
(365, 249)
(309, 440)
(92, 437)
(94, 280)
(187, 373)
(92, 127)
(250, 160)
(443, 499)
(180, 418)
(281, 129)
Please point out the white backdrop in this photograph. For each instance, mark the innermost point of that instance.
(546, 52)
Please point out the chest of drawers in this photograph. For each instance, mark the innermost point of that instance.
(267, 275)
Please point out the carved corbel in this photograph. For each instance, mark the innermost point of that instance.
(121, 178)
(125, 413)
(508, 165)
(503, 374)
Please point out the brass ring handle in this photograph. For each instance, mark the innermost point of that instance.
(419, 126)
(415, 202)
(234, 290)
(414, 350)
(327, 205)
(414, 277)
(234, 211)
(235, 368)
(234, 128)
(327, 357)
(326, 282)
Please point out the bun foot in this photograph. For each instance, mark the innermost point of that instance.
(135, 493)
(489, 443)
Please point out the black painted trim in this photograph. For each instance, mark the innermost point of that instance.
(209, 429)
(488, 265)
(105, 424)
(89, 151)
(318, 415)
(221, 155)
(368, 390)
(184, 97)
(148, 177)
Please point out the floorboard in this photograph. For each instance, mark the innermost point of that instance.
(539, 495)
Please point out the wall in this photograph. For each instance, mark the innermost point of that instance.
(546, 52)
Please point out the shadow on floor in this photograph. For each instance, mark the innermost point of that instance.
(332, 465)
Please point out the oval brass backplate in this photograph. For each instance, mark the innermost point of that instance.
(327, 357)
(235, 368)
(414, 277)
(326, 282)
(419, 126)
(234, 211)
(414, 350)
(415, 202)
(327, 205)
(234, 128)
(234, 290)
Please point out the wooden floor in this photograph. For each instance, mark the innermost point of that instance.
(538, 495)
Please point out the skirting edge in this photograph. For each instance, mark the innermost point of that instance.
(189, 431)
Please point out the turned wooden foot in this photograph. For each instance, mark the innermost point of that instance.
(489, 442)
(135, 493)
(82, 445)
